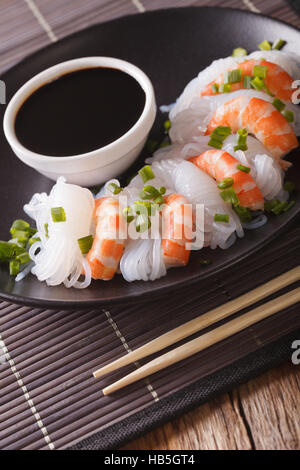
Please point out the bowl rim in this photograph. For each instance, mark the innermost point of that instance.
(127, 141)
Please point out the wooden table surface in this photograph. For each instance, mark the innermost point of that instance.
(262, 414)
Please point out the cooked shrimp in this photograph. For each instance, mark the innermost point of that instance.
(260, 118)
(278, 81)
(177, 230)
(108, 247)
(221, 165)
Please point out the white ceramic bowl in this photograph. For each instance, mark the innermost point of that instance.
(94, 167)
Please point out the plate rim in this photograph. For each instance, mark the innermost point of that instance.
(158, 291)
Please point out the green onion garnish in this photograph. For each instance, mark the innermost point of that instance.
(20, 225)
(242, 140)
(279, 105)
(278, 44)
(265, 46)
(146, 173)
(243, 213)
(128, 214)
(243, 168)
(214, 143)
(260, 71)
(257, 83)
(289, 115)
(159, 200)
(6, 251)
(215, 88)
(225, 88)
(289, 206)
(142, 207)
(19, 234)
(142, 223)
(58, 214)
(218, 136)
(85, 244)
(46, 227)
(233, 76)
(167, 125)
(33, 240)
(239, 52)
(279, 208)
(221, 218)
(247, 81)
(151, 191)
(114, 188)
(23, 257)
(230, 196)
(289, 186)
(270, 205)
(162, 190)
(226, 183)
(14, 267)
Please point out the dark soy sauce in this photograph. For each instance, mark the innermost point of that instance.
(80, 112)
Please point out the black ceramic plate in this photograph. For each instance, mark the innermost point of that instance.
(171, 46)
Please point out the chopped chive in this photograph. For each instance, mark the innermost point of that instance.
(146, 173)
(23, 257)
(257, 83)
(279, 208)
(19, 234)
(46, 226)
(279, 105)
(278, 44)
(260, 71)
(242, 140)
(205, 262)
(232, 76)
(151, 191)
(214, 143)
(85, 243)
(142, 223)
(226, 183)
(221, 218)
(243, 213)
(58, 214)
(270, 205)
(239, 52)
(218, 136)
(215, 88)
(243, 168)
(114, 188)
(6, 251)
(33, 240)
(128, 214)
(230, 196)
(14, 267)
(289, 186)
(167, 125)
(289, 115)
(159, 200)
(265, 46)
(140, 207)
(289, 206)
(247, 81)
(143, 195)
(225, 88)
(162, 190)
(20, 225)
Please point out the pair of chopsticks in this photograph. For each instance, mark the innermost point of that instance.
(208, 339)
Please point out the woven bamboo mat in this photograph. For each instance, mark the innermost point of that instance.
(48, 397)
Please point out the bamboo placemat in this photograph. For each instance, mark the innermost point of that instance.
(48, 397)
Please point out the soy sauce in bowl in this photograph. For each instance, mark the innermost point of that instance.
(79, 112)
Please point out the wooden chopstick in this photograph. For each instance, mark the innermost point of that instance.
(208, 339)
(203, 321)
